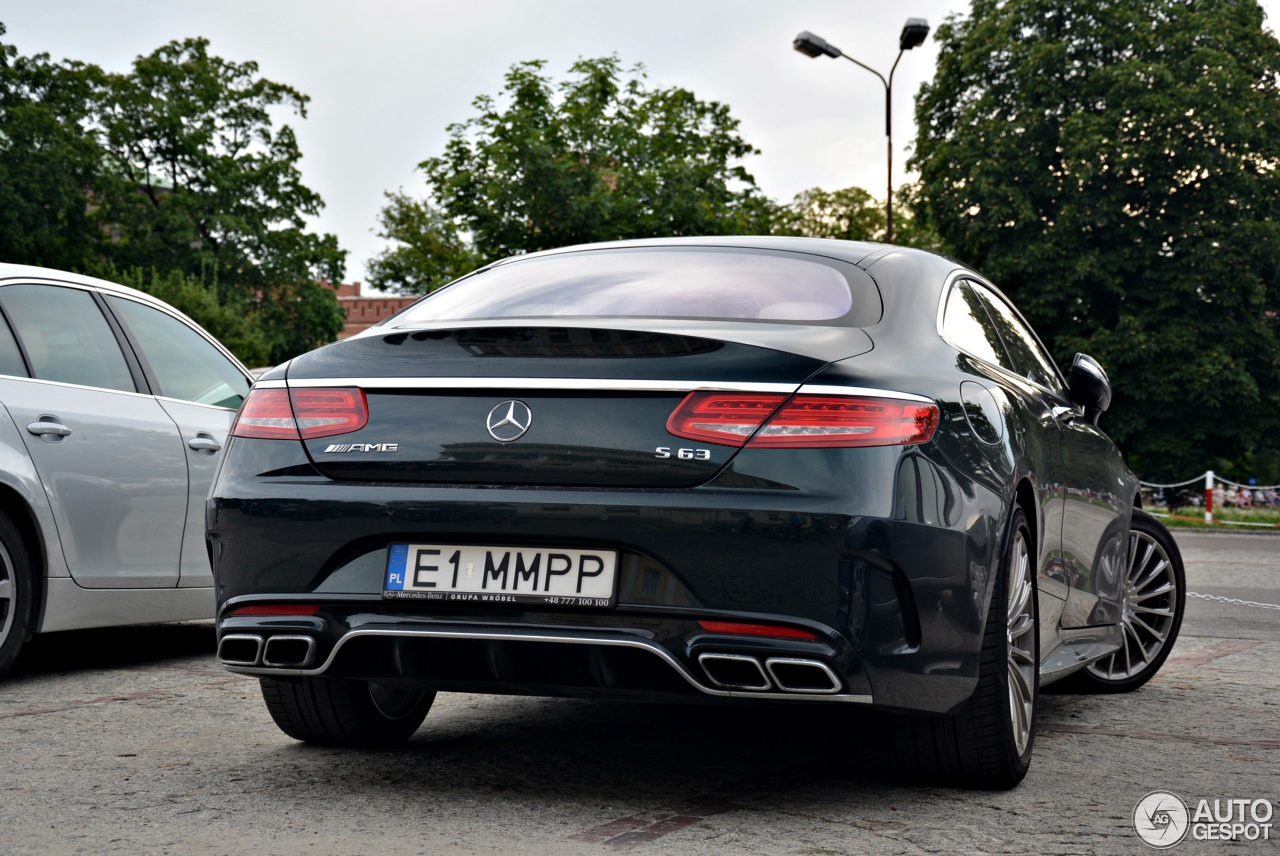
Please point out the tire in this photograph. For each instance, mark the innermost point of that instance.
(987, 743)
(1155, 598)
(339, 712)
(15, 594)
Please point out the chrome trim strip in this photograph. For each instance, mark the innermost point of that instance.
(812, 664)
(514, 636)
(735, 658)
(865, 391)
(552, 383)
(311, 647)
(590, 384)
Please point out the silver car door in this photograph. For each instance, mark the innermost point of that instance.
(200, 386)
(109, 457)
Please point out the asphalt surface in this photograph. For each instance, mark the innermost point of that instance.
(135, 741)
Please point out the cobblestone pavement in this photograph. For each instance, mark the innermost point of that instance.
(135, 741)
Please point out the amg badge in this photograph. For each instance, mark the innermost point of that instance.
(340, 448)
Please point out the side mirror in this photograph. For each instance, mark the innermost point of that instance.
(1089, 387)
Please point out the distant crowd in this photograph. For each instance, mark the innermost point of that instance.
(1224, 496)
(1245, 497)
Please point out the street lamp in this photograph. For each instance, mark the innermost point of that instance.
(913, 35)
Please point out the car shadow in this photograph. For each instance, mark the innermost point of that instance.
(114, 647)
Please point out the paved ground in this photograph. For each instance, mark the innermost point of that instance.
(134, 741)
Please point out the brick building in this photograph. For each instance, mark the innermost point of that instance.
(364, 312)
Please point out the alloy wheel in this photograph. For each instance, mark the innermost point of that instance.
(1150, 601)
(1021, 634)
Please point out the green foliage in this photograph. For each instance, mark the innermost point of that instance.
(429, 249)
(1113, 166)
(239, 327)
(852, 214)
(48, 162)
(596, 157)
(175, 168)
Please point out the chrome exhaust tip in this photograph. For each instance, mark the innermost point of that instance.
(288, 652)
(735, 672)
(802, 676)
(240, 650)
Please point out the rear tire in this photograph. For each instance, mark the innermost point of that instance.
(339, 712)
(1154, 601)
(988, 742)
(15, 594)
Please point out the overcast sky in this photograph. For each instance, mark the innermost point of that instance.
(387, 76)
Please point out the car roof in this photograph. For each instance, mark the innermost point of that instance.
(854, 252)
(34, 272)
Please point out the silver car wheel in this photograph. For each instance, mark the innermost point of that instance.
(1021, 633)
(1150, 599)
(8, 595)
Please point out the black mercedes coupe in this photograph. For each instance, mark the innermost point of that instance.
(727, 470)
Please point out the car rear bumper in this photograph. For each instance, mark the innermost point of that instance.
(896, 602)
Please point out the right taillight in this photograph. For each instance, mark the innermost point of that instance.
(802, 421)
(301, 414)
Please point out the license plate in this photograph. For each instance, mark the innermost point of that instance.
(538, 575)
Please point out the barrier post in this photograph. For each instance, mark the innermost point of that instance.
(1208, 497)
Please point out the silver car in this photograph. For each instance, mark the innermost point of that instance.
(115, 410)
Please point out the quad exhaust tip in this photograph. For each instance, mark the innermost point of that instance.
(735, 672)
(240, 650)
(785, 674)
(802, 676)
(288, 652)
(275, 652)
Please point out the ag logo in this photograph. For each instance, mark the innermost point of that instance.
(509, 421)
(1161, 819)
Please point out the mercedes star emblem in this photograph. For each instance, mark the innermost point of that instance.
(509, 421)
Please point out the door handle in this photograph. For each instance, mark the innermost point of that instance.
(1064, 414)
(204, 444)
(51, 429)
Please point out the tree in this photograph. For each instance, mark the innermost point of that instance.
(49, 163)
(203, 180)
(851, 214)
(597, 157)
(1112, 164)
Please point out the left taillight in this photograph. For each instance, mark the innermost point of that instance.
(802, 421)
(301, 414)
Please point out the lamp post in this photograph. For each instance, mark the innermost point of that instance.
(913, 35)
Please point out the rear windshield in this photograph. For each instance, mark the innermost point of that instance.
(664, 283)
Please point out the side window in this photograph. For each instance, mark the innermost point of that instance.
(965, 325)
(10, 357)
(1029, 357)
(66, 337)
(184, 363)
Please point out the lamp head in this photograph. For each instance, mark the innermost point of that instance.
(815, 46)
(914, 32)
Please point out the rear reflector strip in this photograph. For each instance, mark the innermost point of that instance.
(276, 609)
(803, 420)
(742, 629)
(301, 414)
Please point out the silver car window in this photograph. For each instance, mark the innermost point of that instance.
(66, 336)
(184, 363)
(1029, 359)
(10, 357)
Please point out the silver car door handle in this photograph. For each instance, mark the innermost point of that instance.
(1065, 414)
(204, 443)
(42, 428)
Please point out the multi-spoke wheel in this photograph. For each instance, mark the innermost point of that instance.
(1020, 621)
(15, 593)
(987, 743)
(1153, 601)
